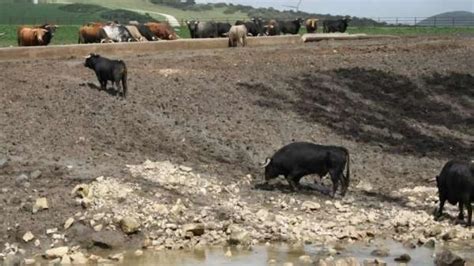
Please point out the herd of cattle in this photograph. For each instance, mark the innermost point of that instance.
(98, 32)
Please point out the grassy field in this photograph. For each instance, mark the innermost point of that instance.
(67, 34)
(215, 13)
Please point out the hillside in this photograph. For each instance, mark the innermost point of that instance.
(456, 18)
(27, 13)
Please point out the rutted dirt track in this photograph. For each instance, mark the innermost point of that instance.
(402, 108)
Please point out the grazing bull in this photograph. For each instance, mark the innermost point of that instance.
(50, 31)
(456, 185)
(339, 25)
(92, 33)
(118, 33)
(30, 36)
(106, 69)
(254, 26)
(291, 27)
(272, 28)
(238, 34)
(162, 30)
(199, 29)
(223, 29)
(135, 33)
(298, 159)
(311, 25)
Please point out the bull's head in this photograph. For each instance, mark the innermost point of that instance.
(270, 171)
(39, 34)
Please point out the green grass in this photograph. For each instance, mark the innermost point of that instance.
(215, 13)
(67, 34)
(37, 14)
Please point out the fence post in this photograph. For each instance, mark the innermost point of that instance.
(415, 22)
(434, 21)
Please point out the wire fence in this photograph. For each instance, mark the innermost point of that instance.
(367, 22)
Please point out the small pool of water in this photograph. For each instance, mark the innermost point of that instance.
(281, 253)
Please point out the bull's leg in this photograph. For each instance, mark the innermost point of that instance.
(442, 200)
(461, 211)
(469, 213)
(335, 178)
(293, 181)
(103, 85)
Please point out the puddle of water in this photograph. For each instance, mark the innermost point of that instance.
(260, 255)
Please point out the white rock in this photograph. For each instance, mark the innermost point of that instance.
(40, 204)
(51, 231)
(305, 259)
(309, 205)
(138, 252)
(28, 236)
(37, 243)
(30, 261)
(78, 258)
(56, 252)
(68, 223)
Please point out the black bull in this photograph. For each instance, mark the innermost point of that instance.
(299, 159)
(456, 185)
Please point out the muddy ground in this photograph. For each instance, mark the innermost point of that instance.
(402, 107)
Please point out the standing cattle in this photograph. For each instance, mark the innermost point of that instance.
(30, 36)
(92, 33)
(339, 25)
(106, 69)
(298, 159)
(238, 34)
(254, 26)
(162, 30)
(290, 27)
(456, 185)
(118, 33)
(223, 29)
(312, 25)
(199, 29)
(146, 32)
(272, 28)
(50, 30)
(135, 33)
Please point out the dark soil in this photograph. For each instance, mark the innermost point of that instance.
(402, 107)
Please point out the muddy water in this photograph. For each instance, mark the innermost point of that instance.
(260, 255)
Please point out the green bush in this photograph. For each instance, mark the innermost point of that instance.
(82, 8)
(124, 16)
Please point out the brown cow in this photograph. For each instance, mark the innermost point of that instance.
(312, 25)
(92, 33)
(30, 36)
(162, 30)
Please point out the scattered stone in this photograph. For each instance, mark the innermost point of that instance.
(40, 204)
(30, 261)
(197, 229)
(51, 231)
(78, 258)
(262, 214)
(185, 168)
(21, 179)
(68, 223)
(409, 244)
(138, 253)
(81, 191)
(228, 253)
(288, 264)
(375, 262)
(448, 258)
(311, 206)
(3, 162)
(305, 259)
(28, 236)
(108, 239)
(403, 258)
(239, 236)
(37, 243)
(66, 260)
(430, 243)
(434, 231)
(98, 227)
(271, 262)
(380, 252)
(129, 225)
(451, 234)
(116, 257)
(35, 174)
(56, 252)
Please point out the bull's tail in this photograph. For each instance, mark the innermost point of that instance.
(124, 80)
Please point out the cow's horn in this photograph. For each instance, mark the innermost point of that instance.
(266, 163)
(88, 56)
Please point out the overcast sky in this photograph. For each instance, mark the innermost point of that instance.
(365, 8)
